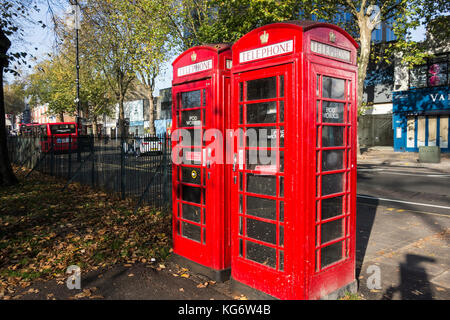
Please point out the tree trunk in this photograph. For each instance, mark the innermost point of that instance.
(151, 112)
(365, 43)
(122, 131)
(7, 177)
(94, 127)
(61, 116)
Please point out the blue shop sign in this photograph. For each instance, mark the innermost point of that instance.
(424, 100)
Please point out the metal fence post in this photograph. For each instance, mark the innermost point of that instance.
(122, 167)
(165, 171)
(52, 157)
(69, 169)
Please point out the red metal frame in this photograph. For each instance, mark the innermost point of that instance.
(212, 78)
(267, 52)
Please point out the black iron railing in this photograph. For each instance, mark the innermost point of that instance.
(136, 167)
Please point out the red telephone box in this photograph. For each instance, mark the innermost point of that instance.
(201, 99)
(293, 217)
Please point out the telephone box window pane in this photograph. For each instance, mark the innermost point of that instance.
(191, 231)
(261, 254)
(281, 131)
(332, 183)
(332, 112)
(191, 194)
(264, 112)
(241, 91)
(261, 159)
(241, 181)
(191, 213)
(331, 254)
(331, 207)
(281, 186)
(281, 260)
(262, 231)
(332, 136)
(262, 88)
(190, 99)
(265, 137)
(333, 88)
(241, 249)
(281, 111)
(190, 175)
(191, 118)
(281, 86)
(241, 226)
(331, 230)
(266, 185)
(332, 160)
(195, 136)
(281, 205)
(281, 236)
(263, 208)
(204, 97)
(281, 161)
(241, 114)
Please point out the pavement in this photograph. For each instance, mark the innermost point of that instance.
(402, 254)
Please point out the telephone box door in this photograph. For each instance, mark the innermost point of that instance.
(259, 188)
(335, 177)
(191, 224)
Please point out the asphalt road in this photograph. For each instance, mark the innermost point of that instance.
(411, 188)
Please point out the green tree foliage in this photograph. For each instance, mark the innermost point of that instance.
(14, 95)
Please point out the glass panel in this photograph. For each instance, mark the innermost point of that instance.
(190, 99)
(204, 235)
(281, 260)
(281, 161)
(190, 118)
(332, 136)
(262, 231)
(262, 184)
(332, 160)
(437, 74)
(191, 194)
(241, 114)
(418, 77)
(281, 186)
(281, 205)
(263, 112)
(261, 254)
(264, 160)
(241, 91)
(240, 204)
(331, 230)
(190, 175)
(262, 88)
(191, 231)
(241, 249)
(281, 94)
(241, 226)
(204, 216)
(330, 254)
(333, 88)
(260, 207)
(332, 112)
(281, 236)
(204, 97)
(191, 213)
(261, 137)
(281, 111)
(332, 183)
(331, 207)
(241, 181)
(192, 137)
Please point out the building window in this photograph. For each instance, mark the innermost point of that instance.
(431, 74)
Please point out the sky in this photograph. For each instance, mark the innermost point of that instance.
(43, 39)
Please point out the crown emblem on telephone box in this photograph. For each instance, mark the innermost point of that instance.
(264, 37)
(193, 57)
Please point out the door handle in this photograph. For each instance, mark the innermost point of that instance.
(234, 162)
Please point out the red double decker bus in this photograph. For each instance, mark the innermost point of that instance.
(62, 135)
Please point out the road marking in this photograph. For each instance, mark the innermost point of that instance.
(405, 202)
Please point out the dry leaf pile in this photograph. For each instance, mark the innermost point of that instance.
(43, 230)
